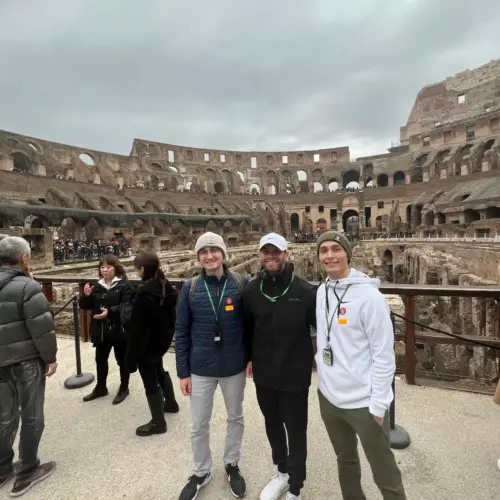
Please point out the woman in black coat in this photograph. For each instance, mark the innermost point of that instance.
(110, 301)
(151, 332)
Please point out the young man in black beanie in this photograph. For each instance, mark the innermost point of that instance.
(278, 312)
(356, 365)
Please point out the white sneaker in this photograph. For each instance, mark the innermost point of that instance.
(276, 487)
(290, 496)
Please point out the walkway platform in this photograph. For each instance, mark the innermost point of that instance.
(453, 455)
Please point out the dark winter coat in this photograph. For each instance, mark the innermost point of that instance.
(195, 349)
(278, 334)
(118, 301)
(152, 323)
(26, 323)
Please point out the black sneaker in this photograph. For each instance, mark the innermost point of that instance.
(236, 481)
(24, 484)
(194, 485)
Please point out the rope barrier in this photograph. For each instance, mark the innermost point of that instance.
(65, 305)
(454, 335)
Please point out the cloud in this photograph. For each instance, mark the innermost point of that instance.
(282, 75)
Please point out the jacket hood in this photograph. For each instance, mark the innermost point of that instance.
(9, 273)
(151, 287)
(355, 278)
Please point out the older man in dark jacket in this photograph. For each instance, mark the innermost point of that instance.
(210, 351)
(28, 349)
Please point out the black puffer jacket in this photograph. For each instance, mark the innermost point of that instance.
(26, 323)
(152, 322)
(118, 301)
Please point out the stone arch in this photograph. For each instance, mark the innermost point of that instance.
(492, 212)
(350, 221)
(178, 227)
(317, 175)
(219, 187)
(156, 166)
(87, 159)
(399, 178)
(174, 169)
(408, 214)
(227, 227)
(69, 229)
(295, 222)
(368, 181)
(139, 226)
(318, 187)
(154, 182)
(36, 222)
(303, 180)
(416, 174)
(211, 226)
(21, 163)
(255, 189)
(271, 182)
(382, 180)
(388, 263)
(160, 227)
(429, 218)
(471, 215)
(333, 185)
(321, 224)
(93, 229)
(441, 218)
(368, 172)
(350, 179)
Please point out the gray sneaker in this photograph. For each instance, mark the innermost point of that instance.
(24, 484)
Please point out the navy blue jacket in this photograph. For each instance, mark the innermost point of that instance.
(195, 349)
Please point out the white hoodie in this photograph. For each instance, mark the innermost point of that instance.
(362, 343)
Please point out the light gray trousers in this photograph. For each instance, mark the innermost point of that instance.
(201, 401)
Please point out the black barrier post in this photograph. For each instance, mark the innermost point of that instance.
(80, 379)
(400, 439)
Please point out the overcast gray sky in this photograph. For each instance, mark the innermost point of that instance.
(230, 74)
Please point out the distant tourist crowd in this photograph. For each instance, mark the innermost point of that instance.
(65, 250)
(227, 330)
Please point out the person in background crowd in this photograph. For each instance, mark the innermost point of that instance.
(110, 301)
(356, 365)
(279, 313)
(210, 351)
(28, 355)
(150, 334)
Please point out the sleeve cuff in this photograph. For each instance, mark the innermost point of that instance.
(377, 410)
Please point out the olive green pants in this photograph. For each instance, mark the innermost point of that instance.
(343, 427)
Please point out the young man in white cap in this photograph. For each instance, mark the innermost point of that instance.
(210, 351)
(279, 311)
(356, 365)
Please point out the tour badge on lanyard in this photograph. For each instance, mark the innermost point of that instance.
(216, 331)
(327, 351)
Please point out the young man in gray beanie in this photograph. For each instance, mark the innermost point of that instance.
(356, 365)
(210, 351)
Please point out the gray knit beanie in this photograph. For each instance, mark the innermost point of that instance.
(211, 240)
(338, 238)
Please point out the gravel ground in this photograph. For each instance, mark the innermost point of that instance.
(100, 458)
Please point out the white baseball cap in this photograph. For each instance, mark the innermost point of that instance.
(273, 239)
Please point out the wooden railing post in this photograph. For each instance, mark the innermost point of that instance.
(410, 354)
(48, 292)
(83, 323)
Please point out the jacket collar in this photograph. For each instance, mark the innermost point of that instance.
(114, 281)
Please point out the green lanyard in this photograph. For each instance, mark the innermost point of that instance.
(275, 299)
(211, 300)
(329, 323)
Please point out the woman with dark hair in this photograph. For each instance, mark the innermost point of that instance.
(110, 301)
(151, 332)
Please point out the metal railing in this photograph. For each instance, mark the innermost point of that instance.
(409, 292)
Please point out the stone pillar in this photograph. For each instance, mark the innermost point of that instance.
(485, 165)
(425, 176)
(6, 163)
(40, 170)
(443, 174)
(96, 178)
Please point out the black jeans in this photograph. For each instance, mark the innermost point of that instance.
(22, 396)
(287, 410)
(152, 374)
(102, 352)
